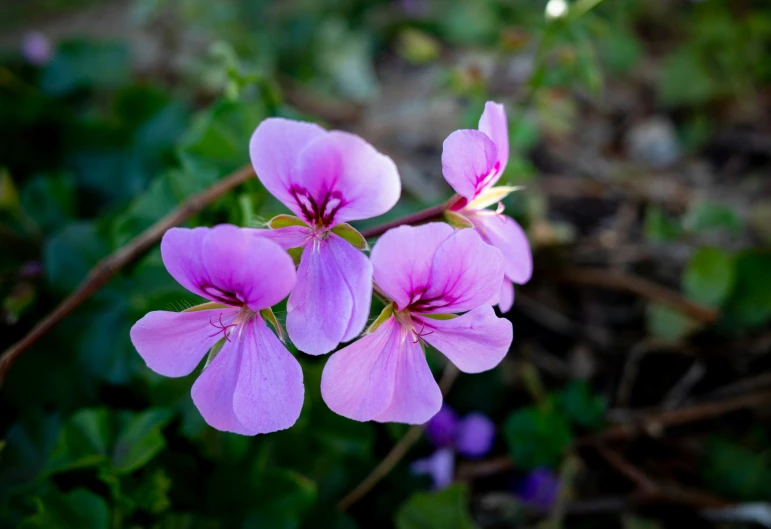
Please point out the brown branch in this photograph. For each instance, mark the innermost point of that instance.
(101, 274)
(426, 215)
(397, 452)
(658, 421)
(603, 278)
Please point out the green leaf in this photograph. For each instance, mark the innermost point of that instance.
(140, 439)
(709, 277)
(29, 444)
(537, 436)
(84, 441)
(81, 64)
(9, 197)
(284, 497)
(152, 495)
(659, 227)
(737, 472)
(79, 509)
(49, 200)
(749, 305)
(708, 216)
(447, 509)
(218, 141)
(669, 325)
(581, 406)
(350, 234)
(270, 317)
(684, 79)
(70, 254)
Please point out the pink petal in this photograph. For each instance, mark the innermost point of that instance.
(173, 343)
(494, 124)
(466, 272)
(402, 259)
(345, 179)
(330, 303)
(181, 253)
(506, 296)
(416, 397)
(269, 392)
(358, 380)
(213, 391)
(288, 238)
(356, 271)
(252, 386)
(504, 233)
(468, 160)
(474, 342)
(274, 149)
(228, 265)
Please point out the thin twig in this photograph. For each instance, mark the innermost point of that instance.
(645, 484)
(426, 215)
(109, 266)
(658, 421)
(397, 452)
(603, 278)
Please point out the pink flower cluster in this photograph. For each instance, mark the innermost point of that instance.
(439, 283)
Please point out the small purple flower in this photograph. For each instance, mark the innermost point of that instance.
(472, 162)
(253, 385)
(540, 489)
(36, 48)
(326, 178)
(430, 272)
(440, 466)
(442, 427)
(475, 436)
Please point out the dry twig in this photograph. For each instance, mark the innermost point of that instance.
(101, 274)
(397, 452)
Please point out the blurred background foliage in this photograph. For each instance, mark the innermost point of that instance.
(640, 129)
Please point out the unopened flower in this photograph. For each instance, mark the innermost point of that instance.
(327, 179)
(473, 162)
(475, 436)
(253, 385)
(540, 489)
(36, 48)
(471, 437)
(431, 272)
(440, 466)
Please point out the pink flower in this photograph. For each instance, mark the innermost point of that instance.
(430, 272)
(472, 162)
(253, 385)
(326, 179)
(36, 48)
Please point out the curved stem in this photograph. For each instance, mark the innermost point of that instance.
(426, 215)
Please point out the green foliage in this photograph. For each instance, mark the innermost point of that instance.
(581, 406)
(709, 277)
(668, 324)
(80, 65)
(749, 305)
(705, 216)
(736, 471)
(537, 436)
(447, 509)
(79, 508)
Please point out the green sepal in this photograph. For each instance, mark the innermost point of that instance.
(271, 318)
(457, 220)
(380, 320)
(214, 351)
(284, 221)
(439, 316)
(207, 306)
(349, 233)
(295, 254)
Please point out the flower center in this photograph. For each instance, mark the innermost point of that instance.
(227, 329)
(318, 213)
(416, 329)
